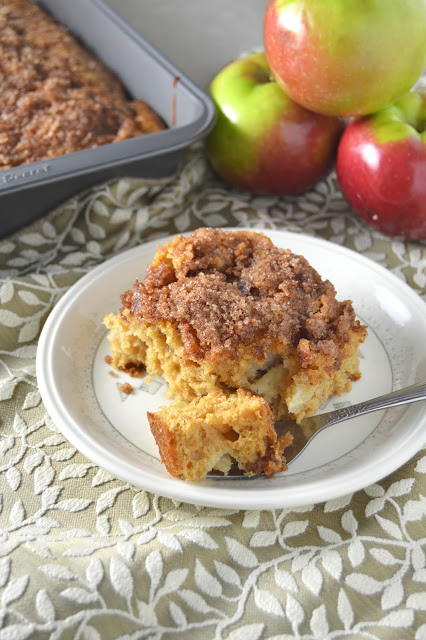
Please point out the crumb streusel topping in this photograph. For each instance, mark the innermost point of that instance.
(227, 290)
(56, 97)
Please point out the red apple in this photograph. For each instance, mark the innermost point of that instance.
(345, 57)
(262, 141)
(381, 167)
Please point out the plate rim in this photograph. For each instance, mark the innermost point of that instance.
(202, 493)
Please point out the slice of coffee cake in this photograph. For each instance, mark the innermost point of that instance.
(221, 311)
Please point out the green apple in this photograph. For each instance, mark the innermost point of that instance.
(345, 57)
(262, 141)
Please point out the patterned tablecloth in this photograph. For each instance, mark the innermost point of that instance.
(84, 555)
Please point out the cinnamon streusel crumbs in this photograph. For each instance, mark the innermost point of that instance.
(56, 97)
(126, 387)
(225, 290)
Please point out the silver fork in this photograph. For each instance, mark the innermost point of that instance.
(308, 428)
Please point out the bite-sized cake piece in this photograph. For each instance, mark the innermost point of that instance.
(223, 310)
(213, 431)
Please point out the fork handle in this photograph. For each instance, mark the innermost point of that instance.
(413, 393)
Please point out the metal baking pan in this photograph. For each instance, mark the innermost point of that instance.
(30, 190)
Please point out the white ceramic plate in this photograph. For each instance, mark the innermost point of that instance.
(111, 428)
